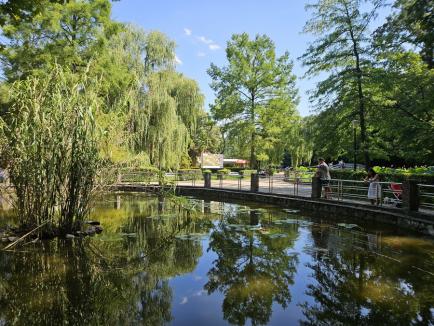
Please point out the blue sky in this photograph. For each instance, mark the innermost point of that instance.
(201, 29)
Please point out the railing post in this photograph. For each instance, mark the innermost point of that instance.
(119, 177)
(316, 187)
(254, 182)
(207, 180)
(410, 195)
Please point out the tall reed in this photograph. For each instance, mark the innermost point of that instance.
(51, 147)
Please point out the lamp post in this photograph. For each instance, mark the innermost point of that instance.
(355, 124)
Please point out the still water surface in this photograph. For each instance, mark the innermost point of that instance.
(158, 262)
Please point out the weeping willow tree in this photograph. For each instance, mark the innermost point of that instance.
(152, 110)
(300, 142)
(168, 118)
(51, 145)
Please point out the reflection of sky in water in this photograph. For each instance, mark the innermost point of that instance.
(226, 262)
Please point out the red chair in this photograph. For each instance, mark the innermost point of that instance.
(396, 189)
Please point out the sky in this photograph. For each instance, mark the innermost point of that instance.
(201, 29)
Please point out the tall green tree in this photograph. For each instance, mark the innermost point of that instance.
(411, 23)
(151, 108)
(207, 137)
(69, 33)
(404, 84)
(342, 50)
(405, 107)
(254, 85)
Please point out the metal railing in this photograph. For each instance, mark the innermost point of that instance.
(383, 193)
(235, 182)
(426, 196)
(293, 183)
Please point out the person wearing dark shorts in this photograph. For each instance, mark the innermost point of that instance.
(323, 171)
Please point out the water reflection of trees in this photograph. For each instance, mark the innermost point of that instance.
(109, 280)
(356, 284)
(252, 270)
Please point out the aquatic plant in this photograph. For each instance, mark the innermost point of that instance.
(51, 148)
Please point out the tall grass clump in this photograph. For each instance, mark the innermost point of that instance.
(52, 148)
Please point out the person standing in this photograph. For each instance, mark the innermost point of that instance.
(323, 171)
(374, 190)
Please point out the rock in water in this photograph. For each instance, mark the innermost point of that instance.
(91, 231)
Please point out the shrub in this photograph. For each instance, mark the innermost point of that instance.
(246, 173)
(271, 171)
(386, 174)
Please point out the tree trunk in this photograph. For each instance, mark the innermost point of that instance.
(253, 161)
(362, 113)
(362, 110)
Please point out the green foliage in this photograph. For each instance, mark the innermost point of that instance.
(147, 112)
(422, 175)
(256, 98)
(412, 23)
(191, 171)
(345, 174)
(342, 50)
(303, 169)
(380, 81)
(404, 90)
(205, 138)
(419, 170)
(224, 171)
(247, 172)
(158, 108)
(271, 171)
(51, 147)
(70, 34)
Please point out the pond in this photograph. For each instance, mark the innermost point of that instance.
(187, 261)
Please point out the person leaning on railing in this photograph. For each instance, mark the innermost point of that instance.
(323, 172)
(374, 190)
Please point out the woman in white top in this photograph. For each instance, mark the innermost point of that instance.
(374, 190)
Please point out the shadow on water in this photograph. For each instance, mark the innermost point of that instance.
(259, 266)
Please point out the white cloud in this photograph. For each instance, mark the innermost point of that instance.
(214, 47)
(184, 300)
(199, 293)
(187, 31)
(201, 54)
(205, 40)
(177, 60)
